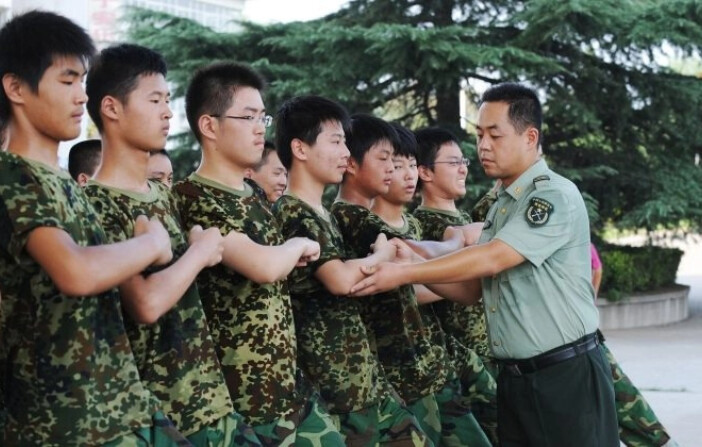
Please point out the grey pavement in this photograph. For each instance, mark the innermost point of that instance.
(665, 362)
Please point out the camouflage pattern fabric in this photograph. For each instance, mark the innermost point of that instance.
(252, 324)
(318, 428)
(458, 425)
(467, 325)
(67, 372)
(333, 346)
(638, 424)
(384, 424)
(411, 345)
(162, 433)
(229, 431)
(426, 411)
(480, 209)
(176, 355)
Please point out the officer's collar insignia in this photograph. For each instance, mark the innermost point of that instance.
(488, 224)
(538, 212)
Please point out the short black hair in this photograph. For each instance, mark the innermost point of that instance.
(268, 148)
(365, 132)
(116, 72)
(302, 117)
(407, 146)
(160, 152)
(84, 158)
(29, 44)
(429, 141)
(524, 105)
(212, 88)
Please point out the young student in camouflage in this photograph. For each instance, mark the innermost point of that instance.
(168, 330)
(411, 348)
(333, 345)
(246, 297)
(68, 375)
(442, 176)
(84, 159)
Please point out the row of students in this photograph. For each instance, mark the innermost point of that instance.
(217, 328)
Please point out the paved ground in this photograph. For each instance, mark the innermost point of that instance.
(665, 362)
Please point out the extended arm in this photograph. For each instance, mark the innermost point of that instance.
(264, 263)
(79, 271)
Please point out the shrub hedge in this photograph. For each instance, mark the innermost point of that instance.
(629, 269)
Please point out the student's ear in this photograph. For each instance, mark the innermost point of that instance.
(207, 126)
(83, 179)
(110, 108)
(299, 149)
(248, 172)
(14, 88)
(426, 175)
(352, 167)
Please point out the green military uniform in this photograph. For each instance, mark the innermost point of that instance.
(467, 325)
(68, 375)
(553, 387)
(252, 324)
(409, 340)
(333, 345)
(176, 355)
(638, 424)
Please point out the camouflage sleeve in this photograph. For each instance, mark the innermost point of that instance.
(481, 208)
(24, 207)
(302, 222)
(415, 228)
(358, 233)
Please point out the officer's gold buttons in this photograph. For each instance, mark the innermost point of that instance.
(493, 310)
(496, 342)
(503, 210)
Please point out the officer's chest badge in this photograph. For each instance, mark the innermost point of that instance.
(538, 212)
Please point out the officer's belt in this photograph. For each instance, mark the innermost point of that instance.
(557, 355)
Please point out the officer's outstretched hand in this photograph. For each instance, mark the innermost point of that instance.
(154, 229)
(207, 244)
(380, 278)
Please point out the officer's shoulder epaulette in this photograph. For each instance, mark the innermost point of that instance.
(542, 181)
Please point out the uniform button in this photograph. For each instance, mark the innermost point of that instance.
(492, 309)
(503, 210)
(496, 342)
(517, 189)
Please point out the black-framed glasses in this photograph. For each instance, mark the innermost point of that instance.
(266, 120)
(454, 163)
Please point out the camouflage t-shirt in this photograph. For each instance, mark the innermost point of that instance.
(252, 324)
(176, 356)
(465, 323)
(333, 346)
(410, 343)
(67, 372)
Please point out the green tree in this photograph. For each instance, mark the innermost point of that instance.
(619, 123)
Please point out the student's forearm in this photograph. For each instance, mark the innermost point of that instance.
(148, 298)
(339, 276)
(424, 295)
(435, 249)
(261, 263)
(82, 271)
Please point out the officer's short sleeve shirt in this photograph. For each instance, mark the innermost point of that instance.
(547, 301)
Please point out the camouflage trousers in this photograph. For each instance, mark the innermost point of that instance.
(386, 424)
(229, 431)
(309, 425)
(480, 391)
(426, 411)
(162, 433)
(638, 424)
(458, 425)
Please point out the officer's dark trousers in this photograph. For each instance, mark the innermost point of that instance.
(569, 404)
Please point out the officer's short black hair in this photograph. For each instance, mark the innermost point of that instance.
(302, 118)
(429, 141)
(29, 44)
(212, 88)
(366, 131)
(116, 71)
(84, 158)
(524, 105)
